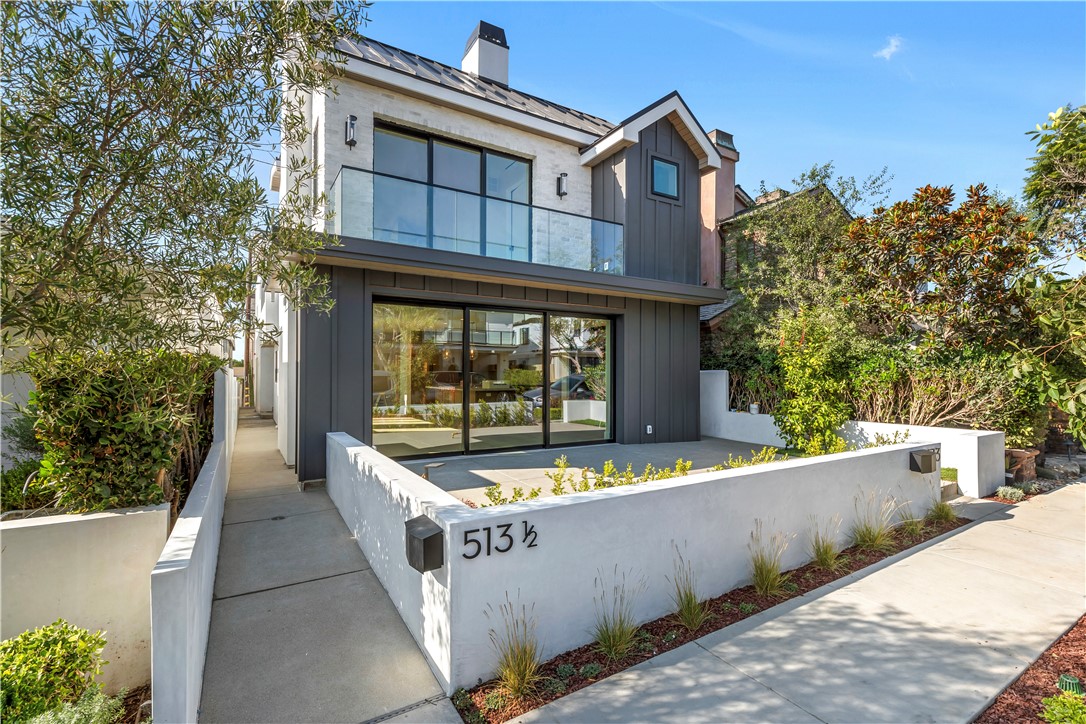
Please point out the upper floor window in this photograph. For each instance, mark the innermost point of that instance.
(665, 178)
(451, 165)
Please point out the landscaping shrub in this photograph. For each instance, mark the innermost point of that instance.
(46, 667)
(1011, 493)
(763, 456)
(12, 482)
(616, 628)
(908, 523)
(813, 356)
(873, 529)
(824, 551)
(941, 512)
(1066, 708)
(765, 561)
(123, 429)
(20, 436)
(517, 648)
(689, 611)
(94, 707)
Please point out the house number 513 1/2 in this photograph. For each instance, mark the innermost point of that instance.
(498, 539)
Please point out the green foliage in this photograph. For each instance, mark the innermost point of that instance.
(765, 560)
(1065, 708)
(566, 671)
(909, 524)
(814, 352)
(523, 380)
(46, 667)
(590, 671)
(941, 512)
(496, 497)
(122, 429)
(689, 611)
(882, 440)
(94, 707)
(950, 475)
(616, 628)
(610, 477)
(1011, 493)
(554, 687)
(823, 543)
(873, 529)
(142, 222)
(518, 649)
(495, 700)
(15, 479)
(941, 276)
(765, 455)
(19, 433)
(1055, 189)
(747, 608)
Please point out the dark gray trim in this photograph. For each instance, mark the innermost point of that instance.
(397, 257)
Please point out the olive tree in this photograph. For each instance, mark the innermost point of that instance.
(132, 136)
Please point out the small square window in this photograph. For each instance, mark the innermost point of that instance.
(665, 178)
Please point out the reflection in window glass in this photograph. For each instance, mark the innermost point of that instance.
(580, 367)
(665, 178)
(506, 383)
(399, 211)
(456, 167)
(457, 221)
(417, 379)
(399, 154)
(508, 230)
(506, 178)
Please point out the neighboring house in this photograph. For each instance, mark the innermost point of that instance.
(494, 245)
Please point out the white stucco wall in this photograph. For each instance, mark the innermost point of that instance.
(91, 570)
(709, 516)
(375, 497)
(183, 578)
(977, 454)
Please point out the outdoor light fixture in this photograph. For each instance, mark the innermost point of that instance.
(348, 132)
(923, 461)
(562, 190)
(425, 544)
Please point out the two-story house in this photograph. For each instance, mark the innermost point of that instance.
(511, 273)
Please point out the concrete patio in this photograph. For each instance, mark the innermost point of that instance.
(468, 476)
(301, 629)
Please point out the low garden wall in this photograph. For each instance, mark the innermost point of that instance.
(91, 570)
(183, 579)
(548, 553)
(976, 454)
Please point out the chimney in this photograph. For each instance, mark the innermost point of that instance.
(487, 54)
(717, 204)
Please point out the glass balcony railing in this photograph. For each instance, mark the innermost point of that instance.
(371, 205)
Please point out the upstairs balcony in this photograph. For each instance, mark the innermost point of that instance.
(380, 207)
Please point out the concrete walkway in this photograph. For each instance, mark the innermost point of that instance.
(301, 629)
(932, 635)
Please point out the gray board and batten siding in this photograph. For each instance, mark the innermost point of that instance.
(656, 355)
(661, 235)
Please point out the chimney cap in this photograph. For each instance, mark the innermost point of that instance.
(488, 32)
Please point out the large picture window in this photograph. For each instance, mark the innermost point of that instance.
(452, 380)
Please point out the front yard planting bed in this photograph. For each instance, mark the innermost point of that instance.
(576, 669)
(1022, 699)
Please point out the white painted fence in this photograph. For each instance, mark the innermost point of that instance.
(977, 454)
(547, 553)
(183, 579)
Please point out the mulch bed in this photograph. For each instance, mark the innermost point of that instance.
(1021, 701)
(132, 701)
(486, 703)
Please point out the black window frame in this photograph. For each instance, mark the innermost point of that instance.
(652, 178)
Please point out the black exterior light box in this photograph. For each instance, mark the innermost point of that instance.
(924, 461)
(425, 544)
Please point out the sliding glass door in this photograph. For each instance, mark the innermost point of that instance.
(532, 379)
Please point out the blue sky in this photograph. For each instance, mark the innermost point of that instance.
(941, 93)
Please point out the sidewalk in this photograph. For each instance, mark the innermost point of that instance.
(931, 635)
(301, 629)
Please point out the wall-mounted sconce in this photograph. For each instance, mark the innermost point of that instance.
(562, 190)
(924, 461)
(348, 132)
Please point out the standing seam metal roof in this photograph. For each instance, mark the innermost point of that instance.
(372, 51)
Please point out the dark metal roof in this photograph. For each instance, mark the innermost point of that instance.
(486, 31)
(372, 51)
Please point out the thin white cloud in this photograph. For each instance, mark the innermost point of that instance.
(893, 45)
